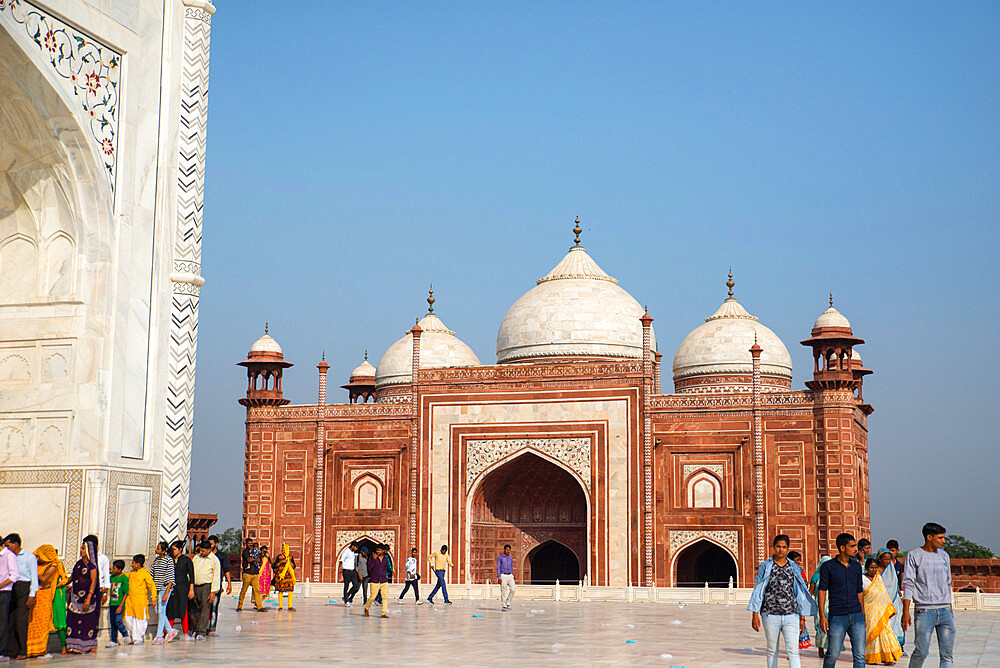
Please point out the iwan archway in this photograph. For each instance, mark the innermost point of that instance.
(704, 561)
(537, 507)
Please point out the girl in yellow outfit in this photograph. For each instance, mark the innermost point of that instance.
(141, 592)
(284, 576)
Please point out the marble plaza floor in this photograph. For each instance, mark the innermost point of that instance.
(476, 633)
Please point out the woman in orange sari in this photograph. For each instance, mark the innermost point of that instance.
(881, 645)
(51, 575)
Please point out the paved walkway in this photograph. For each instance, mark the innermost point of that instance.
(572, 634)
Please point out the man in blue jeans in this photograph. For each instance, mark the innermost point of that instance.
(781, 597)
(840, 581)
(927, 586)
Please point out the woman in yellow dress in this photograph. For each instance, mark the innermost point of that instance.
(881, 645)
(284, 576)
(51, 574)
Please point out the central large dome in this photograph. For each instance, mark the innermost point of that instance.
(576, 310)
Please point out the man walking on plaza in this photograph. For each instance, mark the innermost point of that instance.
(378, 577)
(348, 567)
(223, 577)
(781, 598)
(206, 574)
(22, 599)
(439, 562)
(927, 587)
(412, 578)
(840, 581)
(251, 576)
(505, 576)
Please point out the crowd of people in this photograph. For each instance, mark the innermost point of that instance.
(38, 596)
(870, 600)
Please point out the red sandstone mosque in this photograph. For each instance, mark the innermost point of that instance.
(567, 447)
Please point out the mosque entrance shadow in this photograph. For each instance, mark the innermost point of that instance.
(702, 562)
(553, 561)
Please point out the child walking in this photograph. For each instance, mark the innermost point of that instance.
(116, 603)
(141, 592)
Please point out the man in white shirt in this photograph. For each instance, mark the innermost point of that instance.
(8, 576)
(24, 590)
(412, 577)
(348, 564)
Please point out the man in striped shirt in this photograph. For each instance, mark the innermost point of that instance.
(163, 577)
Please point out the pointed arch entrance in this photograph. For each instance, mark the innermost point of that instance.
(704, 561)
(537, 507)
(551, 561)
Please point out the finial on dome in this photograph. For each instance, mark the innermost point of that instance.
(366, 354)
(730, 283)
(831, 298)
(323, 358)
(430, 299)
(266, 326)
(577, 230)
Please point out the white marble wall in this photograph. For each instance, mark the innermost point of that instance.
(88, 215)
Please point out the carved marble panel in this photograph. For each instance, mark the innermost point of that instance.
(573, 452)
(386, 536)
(728, 539)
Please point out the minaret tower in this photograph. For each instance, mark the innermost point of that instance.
(265, 364)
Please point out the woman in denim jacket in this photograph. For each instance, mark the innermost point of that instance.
(780, 598)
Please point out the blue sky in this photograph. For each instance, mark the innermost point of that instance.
(359, 151)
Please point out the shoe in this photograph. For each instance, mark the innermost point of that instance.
(187, 636)
(112, 643)
(447, 602)
(262, 609)
(239, 609)
(137, 642)
(157, 641)
(431, 601)
(200, 637)
(367, 614)
(385, 616)
(347, 604)
(419, 602)
(171, 636)
(291, 610)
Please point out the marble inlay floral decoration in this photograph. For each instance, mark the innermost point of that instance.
(92, 71)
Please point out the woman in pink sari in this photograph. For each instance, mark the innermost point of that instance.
(266, 574)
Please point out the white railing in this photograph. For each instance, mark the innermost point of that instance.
(584, 592)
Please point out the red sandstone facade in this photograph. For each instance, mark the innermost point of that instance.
(582, 464)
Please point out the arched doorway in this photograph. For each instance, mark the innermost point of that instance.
(529, 503)
(702, 562)
(552, 561)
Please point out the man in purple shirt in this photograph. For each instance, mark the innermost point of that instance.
(378, 579)
(8, 576)
(505, 575)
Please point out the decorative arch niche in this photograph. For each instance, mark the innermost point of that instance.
(368, 493)
(704, 490)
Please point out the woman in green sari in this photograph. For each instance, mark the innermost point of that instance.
(822, 642)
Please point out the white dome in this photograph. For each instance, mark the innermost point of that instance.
(832, 318)
(722, 345)
(575, 309)
(265, 344)
(364, 370)
(439, 348)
